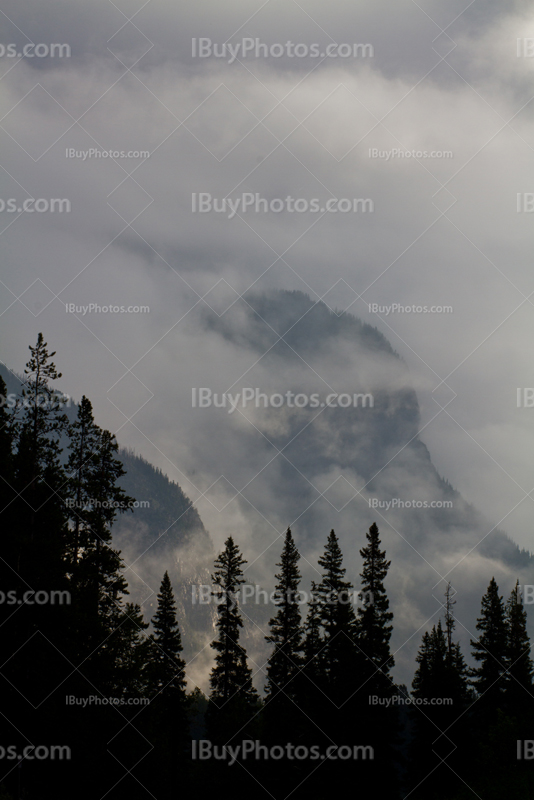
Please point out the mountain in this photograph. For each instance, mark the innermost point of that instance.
(314, 467)
(317, 468)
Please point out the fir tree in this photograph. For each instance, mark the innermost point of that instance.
(167, 668)
(450, 622)
(313, 641)
(95, 566)
(456, 685)
(336, 613)
(428, 718)
(39, 413)
(430, 675)
(490, 649)
(233, 699)
(83, 458)
(102, 565)
(230, 677)
(38, 424)
(38, 541)
(518, 650)
(165, 723)
(374, 618)
(286, 629)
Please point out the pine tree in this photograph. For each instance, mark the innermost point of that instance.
(233, 699)
(313, 641)
(490, 649)
(423, 674)
(456, 685)
(165, 722)
(450, 622)
(39, 423)
(429, 719)
(38, 537)
(101, 567)
(430, 676)
(95, 567)
(311, 681)
(519, 662)
(83, 458)
(167, 668)
(39, 411)
(230, 677)
(286, 629)
(337, 617)
(374, 618)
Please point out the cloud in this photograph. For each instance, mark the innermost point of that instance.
(442, 231)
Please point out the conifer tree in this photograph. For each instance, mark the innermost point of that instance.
(233, 700)
(167, 667)
(102, 565)
(39, 523)
(312, 677)
(313, 640)
(83, 458)
(95, 566)
(231, 676)
(430, 675)
(286, 628)
(337, 617)
(40, 412)
(441, 676)
(374, 618)
(450, 622)
(38, 426)
(165, 722)
(456, 685)
(490, 649)
(520, 666)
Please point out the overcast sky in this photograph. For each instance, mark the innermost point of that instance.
(455, 230)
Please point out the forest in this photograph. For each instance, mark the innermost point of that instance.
(96, 699)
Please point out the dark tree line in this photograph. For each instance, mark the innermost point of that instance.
(70, 638)
(329, 682)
